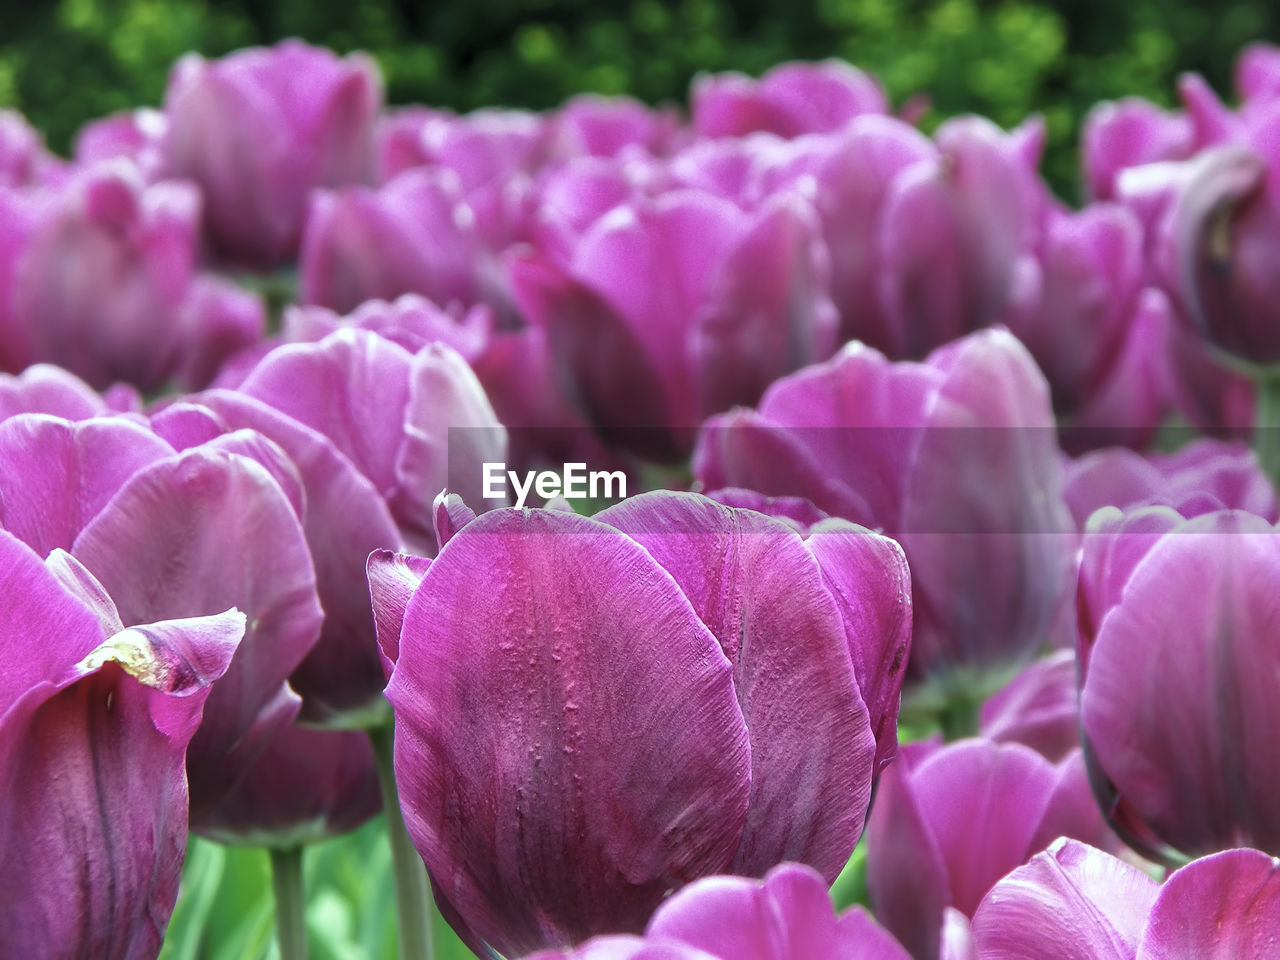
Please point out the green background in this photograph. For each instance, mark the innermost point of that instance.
(65, 62)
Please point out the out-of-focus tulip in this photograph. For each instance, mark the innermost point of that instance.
(1129, 133)
(164, 535)
(596, 126)
(789, 100)
(1073, 902)
(415, 234)
(411, 321)
(261, 128)
(375, 433)
(677, 687)
(24, 161)
(307, 785)
(786, 916)
(955, 458)
(98, 276)
(135, 134)
(1038, 708)
(1176, 611)
(44, 388)
(92, 740)
(669, 310)
(1204, 476)
(949, 822)
(1090, 329)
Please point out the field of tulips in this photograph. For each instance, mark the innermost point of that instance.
(758, 531)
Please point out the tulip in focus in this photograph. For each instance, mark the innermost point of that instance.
(591, 713)
(93, 737)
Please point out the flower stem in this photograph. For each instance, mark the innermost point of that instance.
(1266, 435)
(413, 894)
(291, 903)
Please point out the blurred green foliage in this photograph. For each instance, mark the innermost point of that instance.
(67, 61)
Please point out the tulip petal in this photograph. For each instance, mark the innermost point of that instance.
(752, 581)
(392, 579)
(1071, 902)
(1222, 907)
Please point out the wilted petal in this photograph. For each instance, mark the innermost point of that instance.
(194, 534)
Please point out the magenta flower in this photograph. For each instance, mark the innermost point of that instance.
(949, 822)
(375, 433)
(415, 234)
(1204, 476)
(1181, 611)
(98, 276)
(596, 126)
(786, 916)
(156, 534)
(1073, 902)
(135, 134)
(92, 739)
(258, 130)
(24, 161)
(955, 458)
(1129, 133)
(680, 689)
(672, 309)
(790, 100)
(1038, 708)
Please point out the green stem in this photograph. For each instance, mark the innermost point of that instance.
(291, 903)
(1266, 436)
(959, 718)
(413, 894)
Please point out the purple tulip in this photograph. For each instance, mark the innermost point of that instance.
(673, 309)
(48, 389)
(1204, 476)
(786, 916)
(415, 234)
(92, 742)
(98, 276)
(481, 148)
(1038, 708)
(949, 822)
(955, 458)
(375, 433)
(596, 126)
(412, 321)
(1129, 133)
(24, 161)
(789, 100)
(160, 535)
(261, 128)
(135, 134)
(1180, 611)
(1073, 902)
(1092, 330)
(307, 785)
(720, 728)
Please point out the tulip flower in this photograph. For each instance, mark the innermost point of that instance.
(790, 100)
(955, 458)
(306, 785)
(166, 535)
(24, 161)
(678, 692)
(135, 134)
(44, 388)
(239, 128)
(92, 742)
(1204, 476)
(786, 916)
(375, 433)
(411, 321)
(676, 308)
(1130, 133)
(1073, 902)
(1038, 708)
(415, 234)
(596, 126)
(951, 821)
(98, 276)
(1177, 610)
